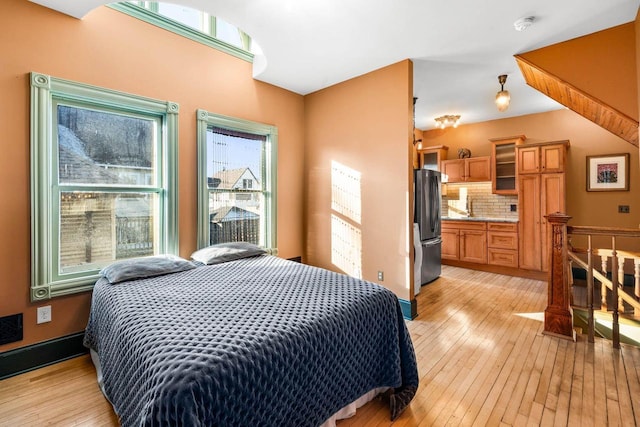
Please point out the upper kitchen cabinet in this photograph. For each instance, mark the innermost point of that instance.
(547, 157)
(504, 164)
(430, 157)
(472, 169)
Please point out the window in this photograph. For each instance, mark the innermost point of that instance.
(236, 181)
(103, 182)
(193, 24)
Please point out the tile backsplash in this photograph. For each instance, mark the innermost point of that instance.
(479, 201)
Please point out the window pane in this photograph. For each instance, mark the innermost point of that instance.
(184, 15)
(96, 147)
(234, 174)
(228, 33)
(98, 228)
(234, 217)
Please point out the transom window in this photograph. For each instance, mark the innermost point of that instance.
(194, 24)
(236, 168)
(102, 172)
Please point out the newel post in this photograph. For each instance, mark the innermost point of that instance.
(558, 316)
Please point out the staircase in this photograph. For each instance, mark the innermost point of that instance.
(603, 320)
(579, 101)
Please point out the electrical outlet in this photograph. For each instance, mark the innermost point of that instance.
(44, 314)
(381, 275)
(623, 208)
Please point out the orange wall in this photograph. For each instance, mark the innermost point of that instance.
(602, 64)
(586, 138)
(364, 124)
(111, 50)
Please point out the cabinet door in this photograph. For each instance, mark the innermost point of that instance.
(450, 244)
(552, 158)
(453, 169)
(552, 198)
(529, 225)
(528, 159)
(503, 168)
(478, 169)
(473, 246)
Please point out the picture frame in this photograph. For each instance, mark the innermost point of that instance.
(608, 172)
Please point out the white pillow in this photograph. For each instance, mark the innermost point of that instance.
(223, 252)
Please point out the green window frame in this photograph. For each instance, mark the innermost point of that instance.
(148, 12)
(268, 174)
(48, 278)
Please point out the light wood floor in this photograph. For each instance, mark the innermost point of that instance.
(482, 361)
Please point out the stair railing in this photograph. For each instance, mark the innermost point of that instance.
(615, 285)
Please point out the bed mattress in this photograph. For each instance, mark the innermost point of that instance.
(257, 341)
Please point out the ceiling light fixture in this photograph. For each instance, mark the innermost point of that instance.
(447, 120)
(523, 23)
(502, 98)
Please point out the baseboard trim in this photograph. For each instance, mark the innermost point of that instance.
(409, 308)
(25, 359)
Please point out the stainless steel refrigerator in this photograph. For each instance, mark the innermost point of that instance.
(427, 217)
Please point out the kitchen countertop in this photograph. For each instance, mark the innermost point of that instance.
(480, 219)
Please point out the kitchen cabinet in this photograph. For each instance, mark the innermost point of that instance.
(472, 169)
(540, 194)
(430, 157)
(464, 241)
(450, 248)
(542, 158)
(504, 164)
(502, 244)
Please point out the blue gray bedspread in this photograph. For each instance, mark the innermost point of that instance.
(255, 342)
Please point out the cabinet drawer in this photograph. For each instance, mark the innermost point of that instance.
(502, 240)
(504, 257)
(465, 225)
(510, 227)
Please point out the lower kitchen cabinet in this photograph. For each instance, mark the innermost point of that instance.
(464, 241)
(502, 244)
(481, 242)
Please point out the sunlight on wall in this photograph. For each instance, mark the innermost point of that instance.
(345, 192)
(346, 216)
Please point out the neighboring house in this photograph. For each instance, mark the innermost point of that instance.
(231, 223)
(233, 183)
(96, 227)
(234, 206)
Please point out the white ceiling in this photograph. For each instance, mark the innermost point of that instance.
(458, 47)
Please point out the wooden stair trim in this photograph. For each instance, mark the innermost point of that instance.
(579, 101)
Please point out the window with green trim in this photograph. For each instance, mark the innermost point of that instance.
(103, 181)
(193, 24)
(236, 181)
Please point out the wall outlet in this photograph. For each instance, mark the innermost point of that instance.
(44, 314)
(381, 275)
(623, 208)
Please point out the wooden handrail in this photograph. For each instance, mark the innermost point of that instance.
(602, 231)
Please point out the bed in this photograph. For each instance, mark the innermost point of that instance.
(253, 341)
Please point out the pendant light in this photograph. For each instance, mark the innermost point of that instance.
(502, 98)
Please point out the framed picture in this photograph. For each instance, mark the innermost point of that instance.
(608, 173)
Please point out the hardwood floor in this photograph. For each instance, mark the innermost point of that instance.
(482, 361)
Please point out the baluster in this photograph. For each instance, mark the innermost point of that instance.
(636, 275)
(590, 320)
(614, 288)
(620, 282)
(603, 287)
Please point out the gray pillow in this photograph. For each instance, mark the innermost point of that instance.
(223, 252)
(139, 268)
